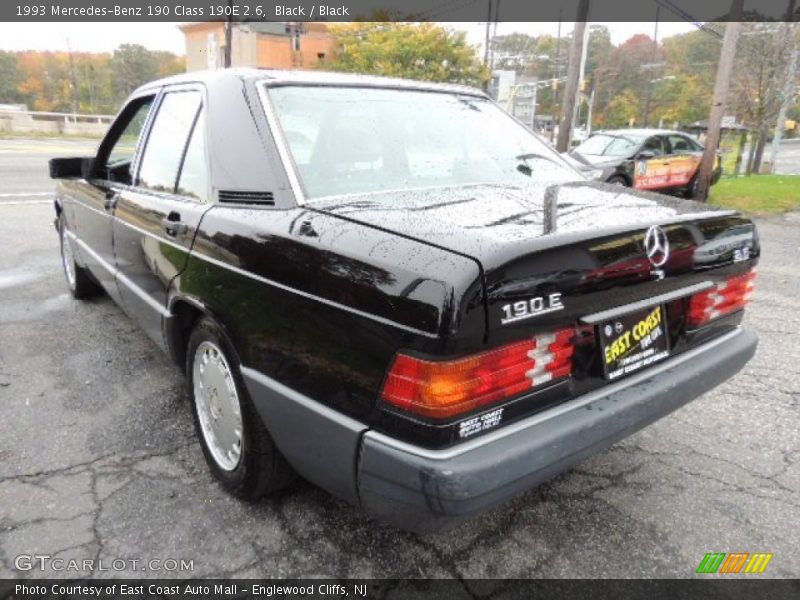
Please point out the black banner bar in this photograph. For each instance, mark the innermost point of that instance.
(706, 587)
(395, 10)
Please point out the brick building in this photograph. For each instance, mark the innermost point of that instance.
(276, 45)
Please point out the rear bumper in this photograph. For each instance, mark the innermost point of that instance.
(427, 490)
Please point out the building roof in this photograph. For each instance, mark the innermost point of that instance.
(311, 77)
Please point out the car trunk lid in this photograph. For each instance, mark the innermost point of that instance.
(551, 255)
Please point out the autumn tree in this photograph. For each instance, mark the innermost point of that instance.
(620, 110)
(423, 51)
(90, 82)
(696, 52)
(681, 99)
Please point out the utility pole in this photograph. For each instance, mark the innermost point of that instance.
(724, 68)
(486, 46)
(488, 32)
(649, 95)
(584, 52)
(556, 113)
(589, 117)
(73, 80)
(573, 78)
(228, 35)
(494, 34)
(788, 88)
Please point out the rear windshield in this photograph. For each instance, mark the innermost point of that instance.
(360, 140)
(603, 144)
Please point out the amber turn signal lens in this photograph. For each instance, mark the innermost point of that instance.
(443, 389)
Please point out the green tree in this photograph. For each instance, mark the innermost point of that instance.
(694, 53)
(600, 48)
(681, 99)
(134, 65)
(10, 78)
(422, 51)
(622, 108)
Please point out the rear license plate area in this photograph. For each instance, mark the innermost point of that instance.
(633, 341)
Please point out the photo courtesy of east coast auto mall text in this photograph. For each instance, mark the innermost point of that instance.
(399, 299)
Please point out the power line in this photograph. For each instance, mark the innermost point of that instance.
(677, 10)
(437, 11)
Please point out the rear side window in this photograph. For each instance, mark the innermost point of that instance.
(167, 141)
(680, 144)
(655, 145)
(193, 176)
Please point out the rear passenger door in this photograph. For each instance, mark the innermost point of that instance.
(156, 218)
(651, 168)
(683, 160)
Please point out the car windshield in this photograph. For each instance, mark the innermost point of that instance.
(606, 144)
(360, 140)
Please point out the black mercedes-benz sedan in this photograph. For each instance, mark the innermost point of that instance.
(395, 290)
(646, 159)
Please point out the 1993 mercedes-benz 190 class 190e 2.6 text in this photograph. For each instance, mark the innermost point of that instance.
(394, 289)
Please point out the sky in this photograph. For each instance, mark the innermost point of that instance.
(104, 37)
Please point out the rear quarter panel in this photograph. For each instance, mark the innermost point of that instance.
(321, 304)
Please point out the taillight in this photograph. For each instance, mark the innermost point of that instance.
(446, 388)
(724, 298)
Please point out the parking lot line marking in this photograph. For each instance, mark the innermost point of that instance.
(25, 194)
(18, 203)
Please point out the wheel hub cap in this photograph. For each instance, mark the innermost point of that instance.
(68, 261)
(218, 408)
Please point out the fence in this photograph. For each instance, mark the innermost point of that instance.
(25, 121)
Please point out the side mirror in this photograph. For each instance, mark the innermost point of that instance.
(645, 155)
(66, 168)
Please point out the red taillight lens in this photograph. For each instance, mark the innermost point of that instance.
(724, 298)
(447, 388)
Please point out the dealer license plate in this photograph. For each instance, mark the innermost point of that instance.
(634, 341)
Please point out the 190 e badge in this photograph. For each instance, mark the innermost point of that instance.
(534, 307)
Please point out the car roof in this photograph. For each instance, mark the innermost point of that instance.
(310, 77)
(643, 132)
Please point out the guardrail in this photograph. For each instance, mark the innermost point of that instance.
(27, 121)
(56, 116)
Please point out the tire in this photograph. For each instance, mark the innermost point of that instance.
(617, 180)
(248, 465)
(79, 281)
(690, 190)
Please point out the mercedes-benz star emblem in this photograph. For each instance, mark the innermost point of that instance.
(656, 245)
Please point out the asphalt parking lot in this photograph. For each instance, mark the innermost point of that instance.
(98, 457)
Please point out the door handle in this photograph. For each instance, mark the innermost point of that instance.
(173, 224)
